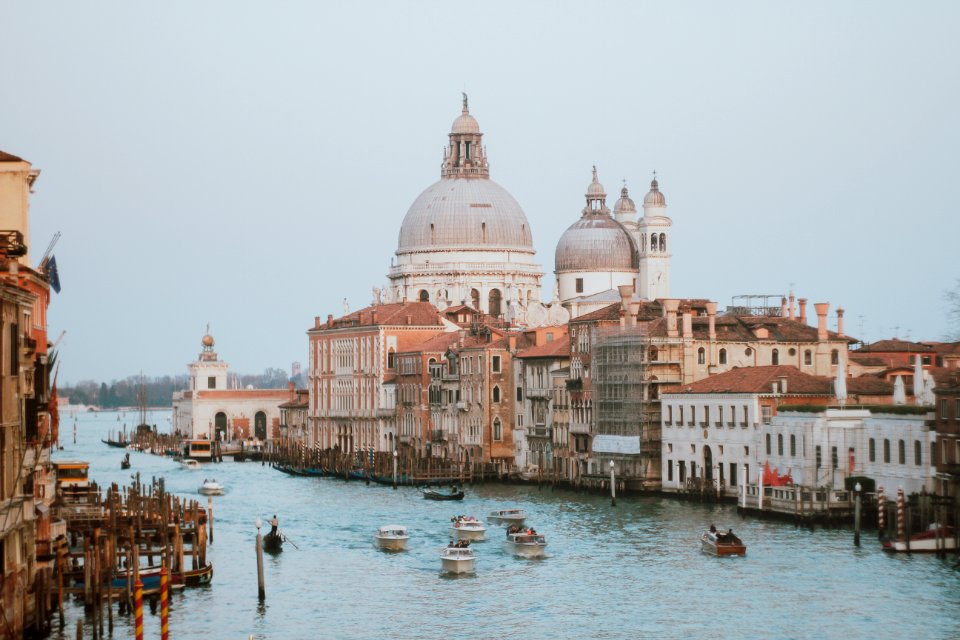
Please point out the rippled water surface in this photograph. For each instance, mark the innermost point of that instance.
(625, 572)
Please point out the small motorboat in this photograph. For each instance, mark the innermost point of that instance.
(189, 463)
(507, 517)
(454, 494)
(211, 487)
(722, 544)
(392, 537)
(526, 542)
(925, 541)
(457, 560)
(467, 528)
(125, 463)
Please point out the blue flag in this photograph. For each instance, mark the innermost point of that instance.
(52, 274)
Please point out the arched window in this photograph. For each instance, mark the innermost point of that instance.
(701, 355)
(834, 357)
(663, 242)
(723, 356)
(653, 242)
(769, 448)
(643, 241)
(653, 354)
(424, 296)
(775, 357)
(807, 357)
(391, 359)
(902, 452)
(497, 429)
(495, 299)
(793, 445)
(886, 451)
(872, 449)
(496, 394)
(483, 229)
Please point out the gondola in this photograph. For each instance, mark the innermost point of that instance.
(430, 494)
(273, 542)
(125, 463)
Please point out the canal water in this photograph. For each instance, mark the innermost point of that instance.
(630, 571)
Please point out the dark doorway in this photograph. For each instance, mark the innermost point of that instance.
(707, 462)
(220, 426)
(260, 425)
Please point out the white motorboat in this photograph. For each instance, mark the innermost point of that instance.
(507, 517)
(467, 528)
(457, 559)
(189, 463)
(211, 488)
(392, 537)
(527, 543)
(935, 538)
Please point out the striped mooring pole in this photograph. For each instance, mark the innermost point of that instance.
(881, 512)
(138, 608)
(164, 603)
(901, 519)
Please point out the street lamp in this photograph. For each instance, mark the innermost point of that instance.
(394, 468)
(613, 486)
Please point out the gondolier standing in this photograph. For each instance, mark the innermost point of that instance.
(274, 523)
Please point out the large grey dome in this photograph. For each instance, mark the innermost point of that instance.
(596, 243)
(465, 214)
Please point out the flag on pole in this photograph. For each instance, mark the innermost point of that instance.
(52, 274)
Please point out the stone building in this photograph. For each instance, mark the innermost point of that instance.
(947, 449)
(541, 426)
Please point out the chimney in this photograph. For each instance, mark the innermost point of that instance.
(409, 319)
(329, 321)
(840, 321)
(626, 292)
(712, 317)
(463, 335)
(803, 310)
(822, 309)
(634, 311)
(512, 342)
(792, 316)
(783, 307)
(316, 322)
(373, 317)
(687, 324)
(671, 306)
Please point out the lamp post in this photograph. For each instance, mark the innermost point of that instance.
(261, 591)
(394, 468)
(856, 514)
(613, 486)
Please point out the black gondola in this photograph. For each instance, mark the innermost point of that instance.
(430, 494)
(125, 463)
(273, 542)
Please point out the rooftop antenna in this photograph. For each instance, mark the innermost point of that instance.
(46, 254)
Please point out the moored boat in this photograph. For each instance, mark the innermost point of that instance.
(392, 537)
(211, 487)
(507, 517)
(526, 542)
(722, 544)
(457, 559)
(467, 528)
(454, 494)
(926, 541)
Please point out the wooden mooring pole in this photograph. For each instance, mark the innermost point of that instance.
(261, 591)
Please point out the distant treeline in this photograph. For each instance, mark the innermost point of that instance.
(159, 390)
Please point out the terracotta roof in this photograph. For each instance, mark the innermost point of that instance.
(422, 314)
(945, 348)
(895, 345)
(558, 348)
(867, 361)
(9, 157)
(869, 385)
(760, 380)
(437, 344)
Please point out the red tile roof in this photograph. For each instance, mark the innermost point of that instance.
(895, 345)
(867, 361)
(9, 157)
(422, 314)
(437, 344)
(558, 348)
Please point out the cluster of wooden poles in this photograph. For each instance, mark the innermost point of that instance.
(110, 536)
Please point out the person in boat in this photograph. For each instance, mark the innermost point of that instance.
(450, 546)
(274, 524)
(713, 528)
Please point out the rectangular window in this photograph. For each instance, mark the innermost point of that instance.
(917, 453)
(819, 458)
(779, 444)
(834, 458)
(496, 364)
(733, 474)
(768, 444)
(579, 285)
(956, 409)
(669, 470)
(519, 394)
(719, 416)
(902, 452)
(212, 382)
(670, 414)
(943, 409)
(886, 451)
(766, 412)
(519, 419)
(793, 445)
(872, 450)
(14, 349)
(745, 415)
(680, 409)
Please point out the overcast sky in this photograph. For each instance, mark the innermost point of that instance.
(249, 164)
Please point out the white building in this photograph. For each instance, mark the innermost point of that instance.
(465, 240)
(210, 410)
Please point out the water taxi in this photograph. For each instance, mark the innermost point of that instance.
(527, 543)
(190, 463)
(926, 541)
(391, 537)
(457, 560)
(507, 517)
(211, 488)
(201, 450)
(73, 481)
(722, 544)
(467, 528)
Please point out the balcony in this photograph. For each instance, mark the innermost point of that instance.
(539, 392)
(461, 405)
(539, 431)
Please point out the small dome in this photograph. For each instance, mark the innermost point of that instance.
(595, 190)
(207, 340)
(654, 198)
(625, 203)
(465, 123)
(596, 243)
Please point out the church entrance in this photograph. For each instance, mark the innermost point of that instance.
(260, 425)
(495, 299)
(220, 426)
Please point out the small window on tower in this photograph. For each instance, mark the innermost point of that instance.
(579, 285)
(212, 382)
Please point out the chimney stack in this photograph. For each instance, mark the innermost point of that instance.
(792, 316)
(712, 318)
(316, 322)
(409, 319)
(634, 312)
(803, 310)
(822, 309)
(783, 307)
(512, 342)
(671, 306)
(626, 292)
(329, 321)
(687, 324)
(373, 317)
(840, 321)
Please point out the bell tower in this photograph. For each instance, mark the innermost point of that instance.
(653, 235)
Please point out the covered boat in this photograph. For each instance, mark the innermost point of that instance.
(507, 517)
(926, 541)
(467, 528)
(722, 544)
(392, 537)
(526, 542)
(457, 559)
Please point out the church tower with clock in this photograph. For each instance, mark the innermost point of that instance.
(653, 240)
